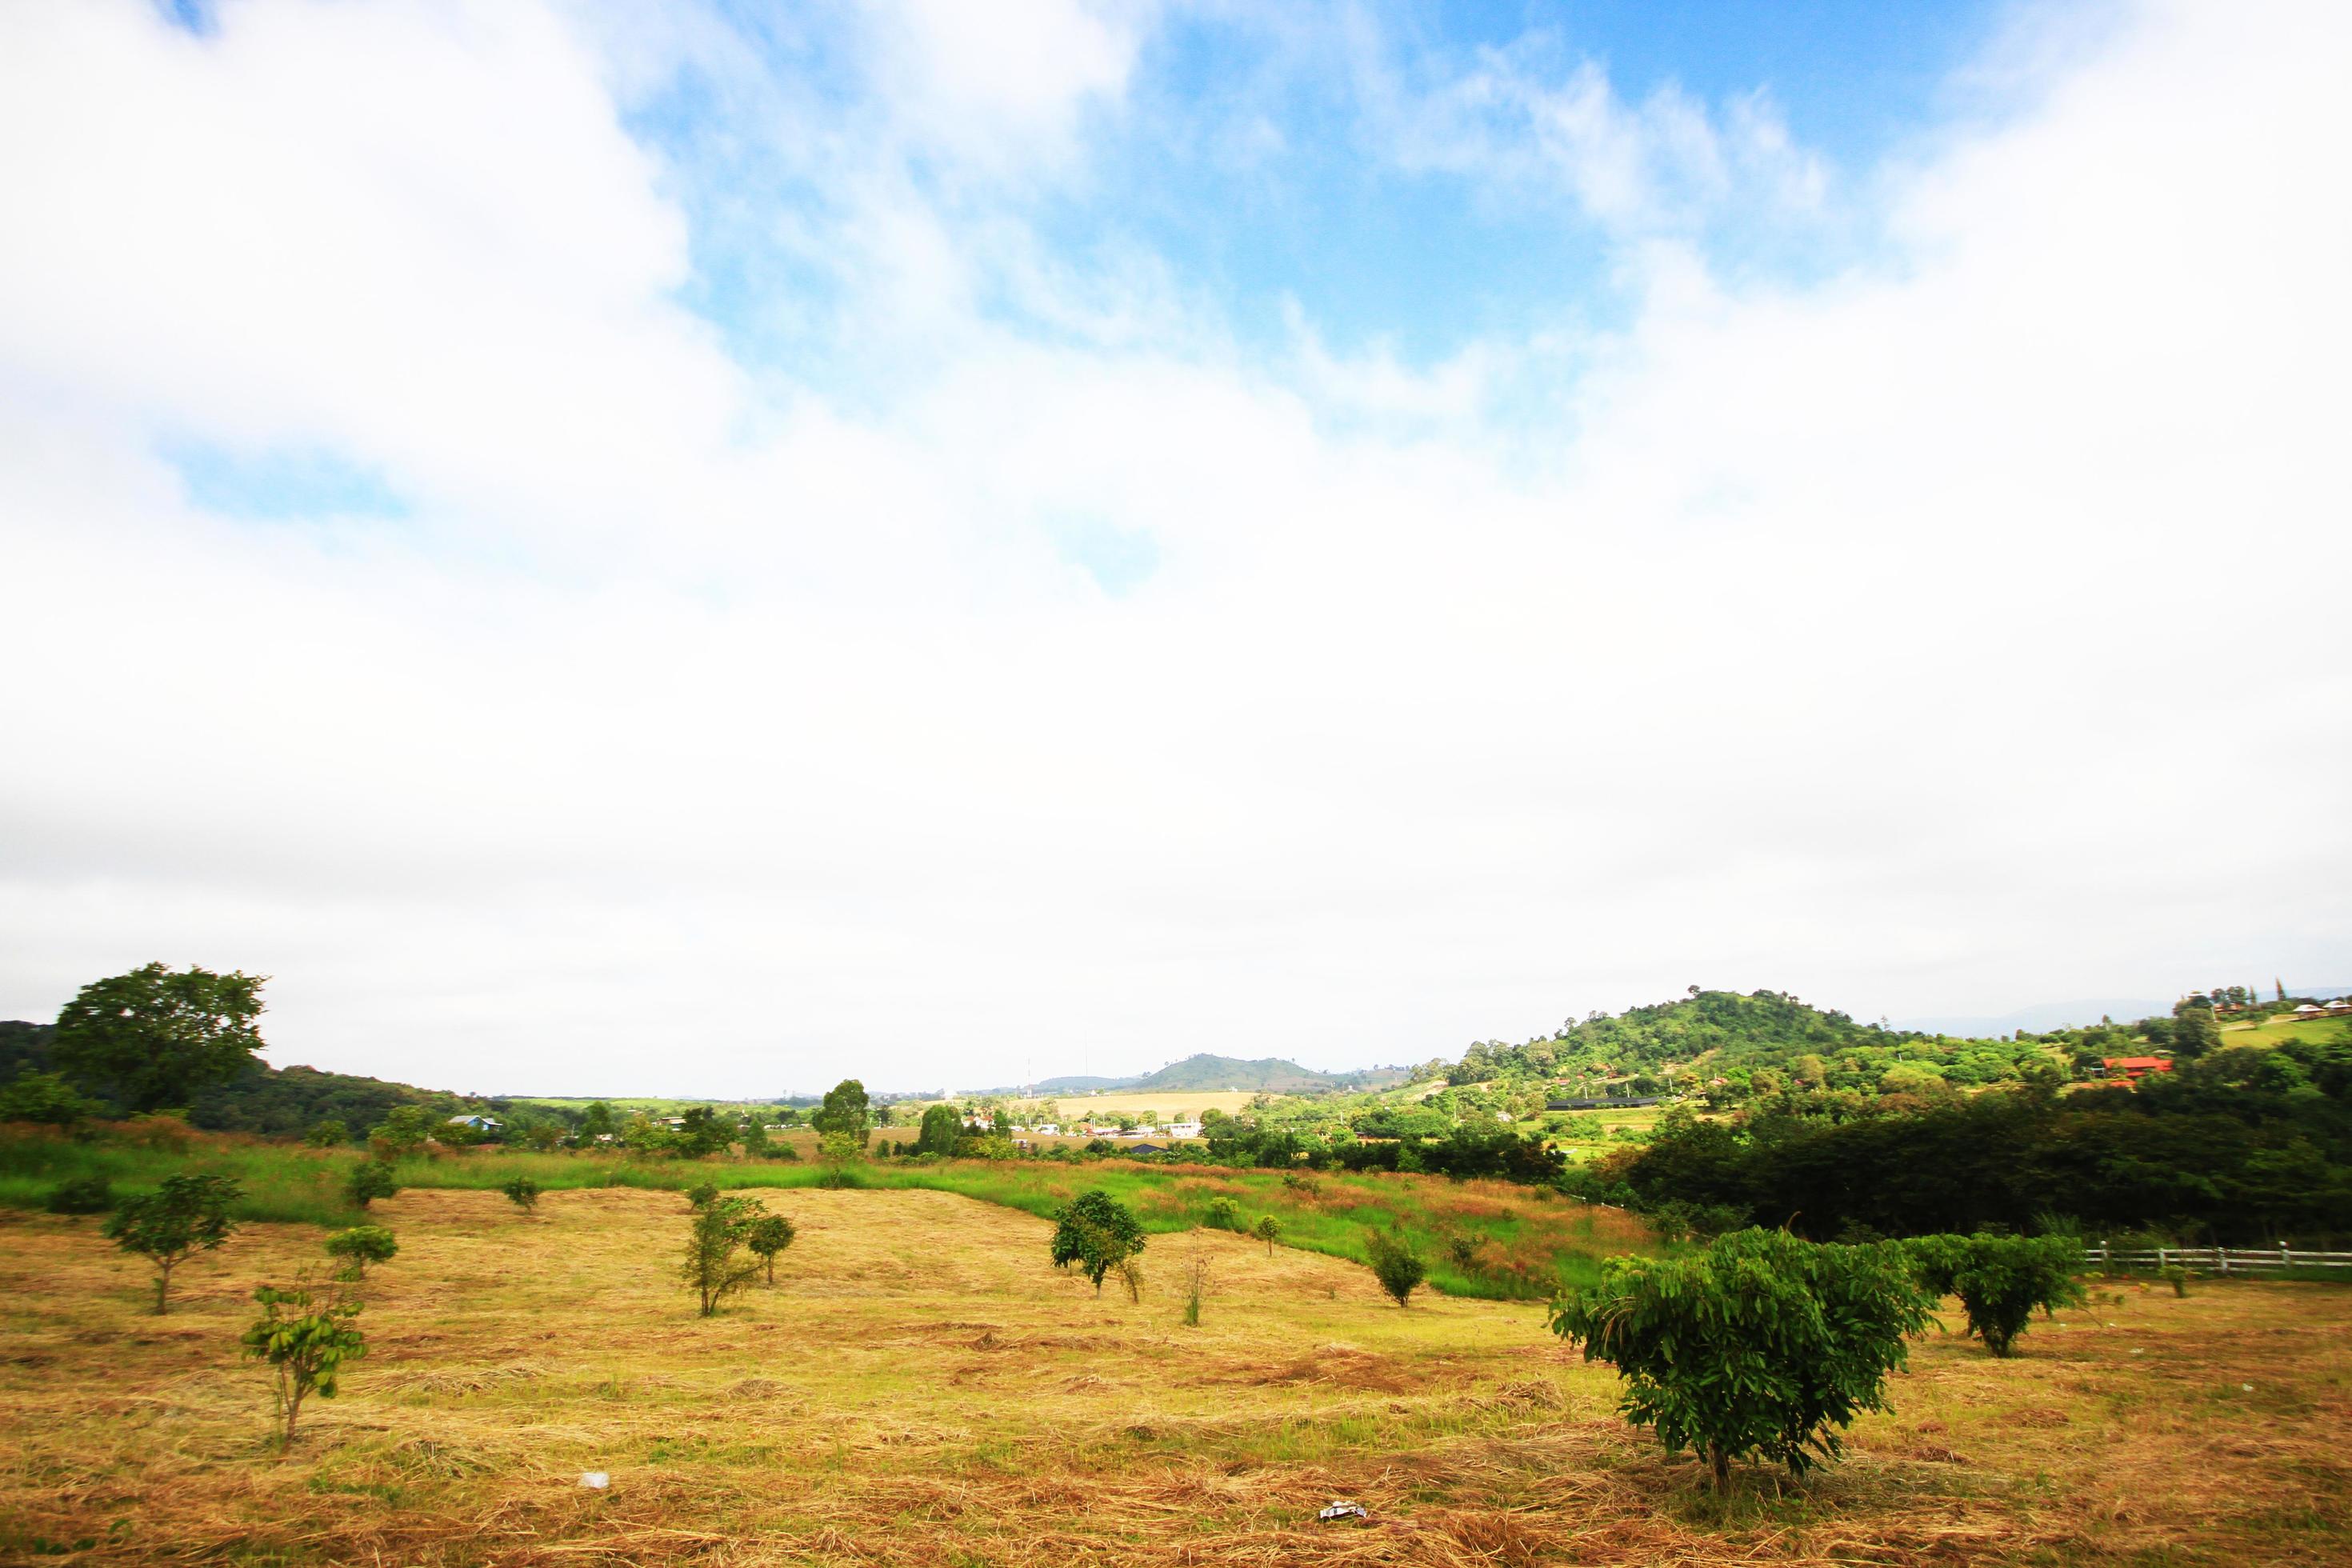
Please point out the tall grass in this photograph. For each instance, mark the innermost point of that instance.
(1522, 1243)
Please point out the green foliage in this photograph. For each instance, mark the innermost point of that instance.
(701, 1131)
(1396, 1263)
(846, 1111)
(1196, 1279)
(767, 1235)
(942, 1125)
(81, 1194)
(362, 1245)
(1269, 1229)
(42, 1097)
(403, 1131)
(1223, 1213)
(305, 1337)
(597, 1120)
(839, 1150)
(371, 1180)
(155, 1036)
(1097, 1233)
(715, 1234)
(2177, 1278)
(2002, 1280)
(186, 1215)
(1763, 1346)
(328, 1134)
(702, 1195)
(523, 1192)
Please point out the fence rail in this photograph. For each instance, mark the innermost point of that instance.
(2220, 1259)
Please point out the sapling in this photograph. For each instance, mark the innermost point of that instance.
(305, 1337)
(1269, 1231)
(186, 1215)
(714, 1234)
(1396, 1264)
(523, 1191)
(361, 1246)
(766, 1236)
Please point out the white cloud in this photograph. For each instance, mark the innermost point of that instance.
(1942, 637)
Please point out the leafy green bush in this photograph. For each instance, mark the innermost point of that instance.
(766, 1236)
(702, 1195)
(41, 1097)
(361, 1246)
(2002, 1280)
(1396, 1263)
(186, 1215)
(1097, 1232)
(1223, 1213)
(1763, 1345)
(371, 1180)
(1269, 1231)
(328, 1134)
(81, 1194)
(523, 1192)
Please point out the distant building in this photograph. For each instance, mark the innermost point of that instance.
(479, 1123)
(1146, 1149)
(2133, 1067)
(1625, 1102)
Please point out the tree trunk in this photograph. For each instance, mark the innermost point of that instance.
(163, 1285)
(1722, 1463)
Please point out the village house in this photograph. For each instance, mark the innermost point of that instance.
(479, 1123)
(2133, 1067)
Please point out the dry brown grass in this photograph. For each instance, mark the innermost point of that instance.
(921, 1388)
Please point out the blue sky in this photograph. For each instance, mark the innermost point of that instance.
(694, 546)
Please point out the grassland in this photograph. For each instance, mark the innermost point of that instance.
(919, 1388)
(2278, 1031)
(1487, 1239)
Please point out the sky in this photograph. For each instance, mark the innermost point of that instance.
(698, 548)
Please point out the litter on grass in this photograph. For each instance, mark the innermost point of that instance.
(1344, 1509)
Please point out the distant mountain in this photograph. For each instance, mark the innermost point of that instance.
(1268, 1075)
(2042, 1017)
(1077, 1085)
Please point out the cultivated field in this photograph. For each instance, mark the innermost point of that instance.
(1166, 1102)
(921, 1388)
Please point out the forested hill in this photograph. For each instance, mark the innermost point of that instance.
(1269, 1075)
(1727, 1030)
(262, 1099)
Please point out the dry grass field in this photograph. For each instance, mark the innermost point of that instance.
(921, 1388)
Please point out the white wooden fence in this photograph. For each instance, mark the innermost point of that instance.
(2214, 1260)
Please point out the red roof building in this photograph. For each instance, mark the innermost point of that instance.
(2135, 1068)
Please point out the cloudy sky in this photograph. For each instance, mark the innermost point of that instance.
(698, 549)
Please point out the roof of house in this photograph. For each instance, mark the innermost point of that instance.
(2151, 1064)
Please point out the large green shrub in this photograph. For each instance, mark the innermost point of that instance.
(715, 1234)
(1396, 1263)
(1761, 1346)
(767, 1236)
(2002, 1280)
(371, 1180)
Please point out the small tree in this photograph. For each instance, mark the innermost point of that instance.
(1269, 1231)
(702, 1195)
(44, 1097)
(1396, 1263)
(523, 1192)
(328, 1134)
(714, 1237)
(361, 1246)
(371, 1180)
(1196, 1279)
(186, 1215)
(305, 1338)
(769, 1235)
(2002, 1280)
(1097, 1232)
(839, 1150)
(1224, 1214)
(1762, 1345)
(942, 1125)
(403, 1130)
(845, 1111)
